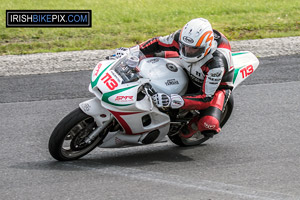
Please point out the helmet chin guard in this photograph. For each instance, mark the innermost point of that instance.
(196, 40)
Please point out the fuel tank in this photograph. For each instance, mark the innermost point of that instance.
(166, 76)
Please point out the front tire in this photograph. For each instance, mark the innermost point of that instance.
(198, 138)
(67, 139)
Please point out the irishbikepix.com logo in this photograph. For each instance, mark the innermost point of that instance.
(48, 18)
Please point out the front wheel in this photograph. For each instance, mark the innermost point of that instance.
(199, 138)
(67, 141)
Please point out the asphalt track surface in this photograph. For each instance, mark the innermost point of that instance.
(256, 156)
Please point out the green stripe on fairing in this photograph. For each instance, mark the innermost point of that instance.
(109, 94)
(238, 53)
(236, 71)
(94, 83)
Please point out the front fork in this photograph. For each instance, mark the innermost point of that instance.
(97, 131)
(101, 116)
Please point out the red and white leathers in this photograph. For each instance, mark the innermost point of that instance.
(211, 77)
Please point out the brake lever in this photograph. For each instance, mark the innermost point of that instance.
(150, 98)
(150, 92)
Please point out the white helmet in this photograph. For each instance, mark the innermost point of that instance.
(196, 39)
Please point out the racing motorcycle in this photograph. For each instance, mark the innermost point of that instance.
(122, 112)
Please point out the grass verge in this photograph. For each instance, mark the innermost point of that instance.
(126, 23)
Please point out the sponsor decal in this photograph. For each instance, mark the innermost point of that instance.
(196, 79)
(152, 61)
(86, 107)
(188, 39)
(213, 83)
(107, 95)
(216, 74)
(124, 98)
(209, 126)
(172, 82)
(214, 79)
(172, 67)
(98, 69)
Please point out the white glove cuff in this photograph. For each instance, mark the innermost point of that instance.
(176, 101)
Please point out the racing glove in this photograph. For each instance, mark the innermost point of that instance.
(163, 100)
(121, 52)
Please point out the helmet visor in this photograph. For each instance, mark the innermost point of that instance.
(189, 51)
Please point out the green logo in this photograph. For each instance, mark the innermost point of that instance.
(109, 94)
(94, 83)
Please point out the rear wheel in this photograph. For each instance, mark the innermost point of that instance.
(67, 141)
(199, 138)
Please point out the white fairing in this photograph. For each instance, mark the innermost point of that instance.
(245, 63)
(141, 121)
(137, 132)
(166, 76)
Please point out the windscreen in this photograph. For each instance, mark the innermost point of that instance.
(127, 66)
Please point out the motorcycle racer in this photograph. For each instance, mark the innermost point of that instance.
(205, 54)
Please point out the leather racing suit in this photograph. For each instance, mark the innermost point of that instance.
(211, 78)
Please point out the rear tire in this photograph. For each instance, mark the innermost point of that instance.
(227, 111)
(198, 138)
(67, 139)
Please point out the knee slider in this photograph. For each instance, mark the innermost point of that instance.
(209, 123)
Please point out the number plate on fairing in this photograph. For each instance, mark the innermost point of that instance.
(245, 63)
